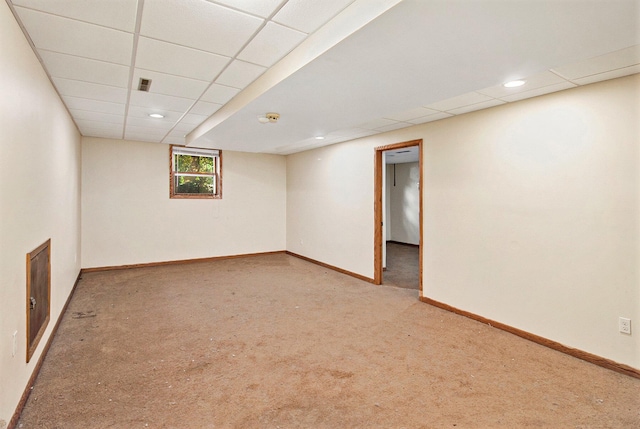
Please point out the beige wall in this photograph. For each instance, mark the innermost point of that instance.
(128, 217)
(531, 213)
(532, 210)
(39, 199)
(330, 205)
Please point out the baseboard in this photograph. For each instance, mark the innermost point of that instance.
(591, 358)
(331, 267)
(404, 244)
(177, 262)
(36, 370)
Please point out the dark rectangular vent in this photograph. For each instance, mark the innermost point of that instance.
(144, 84)
(403, 151)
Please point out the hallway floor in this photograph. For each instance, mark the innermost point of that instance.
(402, 266)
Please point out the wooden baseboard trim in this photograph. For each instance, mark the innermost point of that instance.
(331, 267)
(177, 262)
(36, 370)
(589, 357)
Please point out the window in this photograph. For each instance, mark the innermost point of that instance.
(195, 173)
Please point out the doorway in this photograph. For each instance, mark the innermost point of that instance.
(380, 235)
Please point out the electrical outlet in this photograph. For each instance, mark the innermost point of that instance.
(14, 349)
(624, 325)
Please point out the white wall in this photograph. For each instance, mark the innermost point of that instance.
(404, 219)
(39, 199)
(387, 183)
(330, 205)
(128, 217)
(386, 210)
(531, 213)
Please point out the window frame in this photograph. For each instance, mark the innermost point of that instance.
(216, 154)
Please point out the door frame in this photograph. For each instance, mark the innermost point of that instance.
(377, 208)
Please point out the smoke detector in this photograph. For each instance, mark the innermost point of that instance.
(269, 117)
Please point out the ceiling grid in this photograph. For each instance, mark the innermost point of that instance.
(379, 76)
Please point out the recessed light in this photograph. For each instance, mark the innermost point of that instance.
(319, 137)
(156, 115)
(514, 84)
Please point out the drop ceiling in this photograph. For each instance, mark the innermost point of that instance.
(338, 69)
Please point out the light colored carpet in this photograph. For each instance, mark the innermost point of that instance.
(276, 342)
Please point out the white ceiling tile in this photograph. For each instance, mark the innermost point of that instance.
(352, 133)
(183, 128)
(156, 124)
(344, 139)
(330, 138)
(297, 146)
(312, 142)
(168, 84)
(531, 82)
(68, 36)
(407, 115)
(176, 132)
(160, 101)
(174, 140)
(262, 8)
(98, 125)
(204, 108)
(459, 101)
(142, 136)
(539, 91)
(93, 105)
(178, 60)
(193, 119)
(626, 71)
(302, 145)
(477, 106)
(377, 123)
(219, 94)
(240, 74)
(392, 127)
(603, 63)
(199, 24)
(77, 68)
(430, 118)
(309, 15)
(97, 116)
(150, 130)
(103, 133)
(273, 42)
(119, 14)
(144, 112)
(77, 88)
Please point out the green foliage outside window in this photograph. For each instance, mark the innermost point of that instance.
(194, 165)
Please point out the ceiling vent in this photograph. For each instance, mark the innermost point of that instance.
(144, 84)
